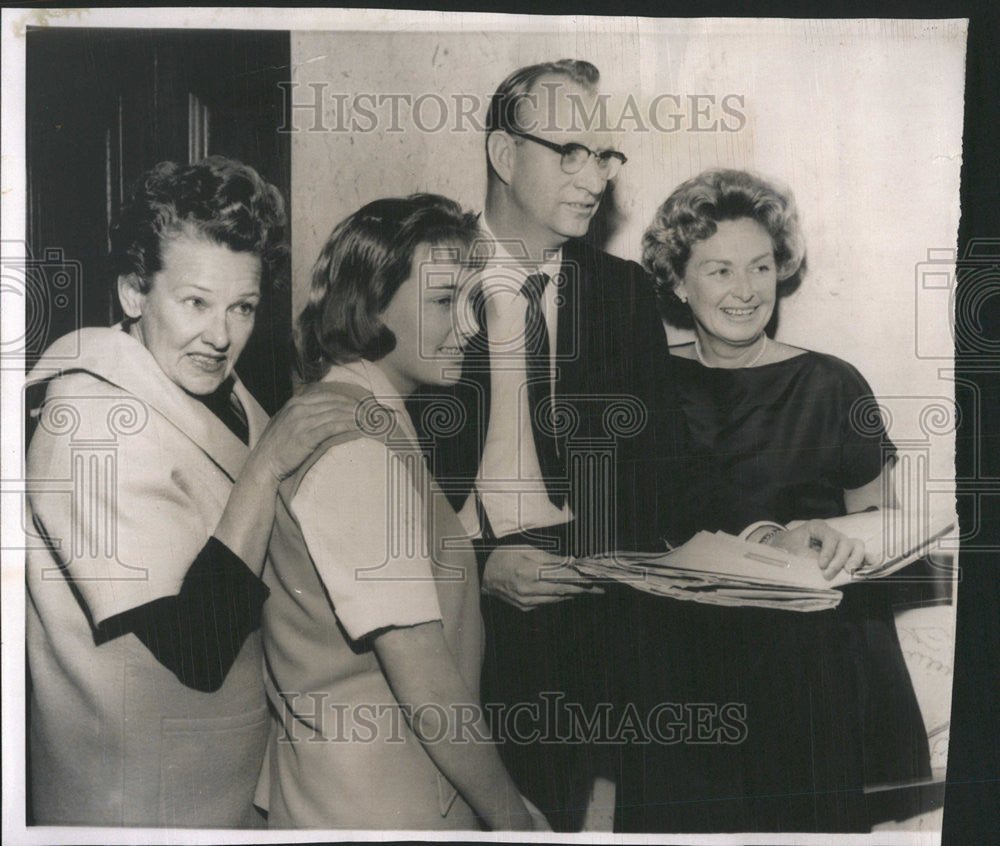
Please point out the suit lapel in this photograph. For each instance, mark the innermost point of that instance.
(573, 322)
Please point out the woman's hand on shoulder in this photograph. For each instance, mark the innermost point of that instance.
(833, 550)
(310, 417)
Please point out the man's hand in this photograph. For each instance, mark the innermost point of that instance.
(527, 578)
(834, 550)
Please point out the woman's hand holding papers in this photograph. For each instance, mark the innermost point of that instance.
(833, 550)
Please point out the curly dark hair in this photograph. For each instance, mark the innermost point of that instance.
(363, 263)
(692, 212)
(218, 199)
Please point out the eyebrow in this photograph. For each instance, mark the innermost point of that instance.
(599, 150)
(602, 152)
(205, 290)
(727, 261)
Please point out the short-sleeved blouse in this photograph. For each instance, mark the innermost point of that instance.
(782, 441)
(363, 540)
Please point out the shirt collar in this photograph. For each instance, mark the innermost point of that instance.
(503, 256)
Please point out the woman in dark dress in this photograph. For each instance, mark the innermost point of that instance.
(781, 433)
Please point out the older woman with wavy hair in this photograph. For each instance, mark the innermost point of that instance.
(825, 701)
(147, 701)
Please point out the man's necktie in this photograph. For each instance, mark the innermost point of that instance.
(537, 359)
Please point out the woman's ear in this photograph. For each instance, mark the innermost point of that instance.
(131, 297)
(500, 150)
(680, 291)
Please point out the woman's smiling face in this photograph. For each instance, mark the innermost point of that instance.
(429, 318)
(730, 283)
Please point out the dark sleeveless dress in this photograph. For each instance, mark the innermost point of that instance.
(829, 707)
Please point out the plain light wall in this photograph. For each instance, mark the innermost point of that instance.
(862, 119)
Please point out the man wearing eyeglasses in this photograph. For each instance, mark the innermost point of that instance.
(570, 410)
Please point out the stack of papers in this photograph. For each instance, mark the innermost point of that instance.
(720, 569)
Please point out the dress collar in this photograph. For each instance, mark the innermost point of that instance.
(371, 377)
(117, 357)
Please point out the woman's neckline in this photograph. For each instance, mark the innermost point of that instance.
(798, 355)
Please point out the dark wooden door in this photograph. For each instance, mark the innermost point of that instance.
(105, 105)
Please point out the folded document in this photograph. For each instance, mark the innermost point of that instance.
(721, 569)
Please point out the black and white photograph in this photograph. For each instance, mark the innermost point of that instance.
(463, 426)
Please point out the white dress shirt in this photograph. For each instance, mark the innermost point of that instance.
(509, 482)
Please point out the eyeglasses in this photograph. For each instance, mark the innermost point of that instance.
(575, 156)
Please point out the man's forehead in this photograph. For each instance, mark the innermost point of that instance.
(565, 111)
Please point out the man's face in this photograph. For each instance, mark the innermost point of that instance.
(555, 206)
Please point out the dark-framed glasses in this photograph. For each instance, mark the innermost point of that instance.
(574, 156)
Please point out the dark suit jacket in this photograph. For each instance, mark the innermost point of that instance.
(623, 442)
(625, 456)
